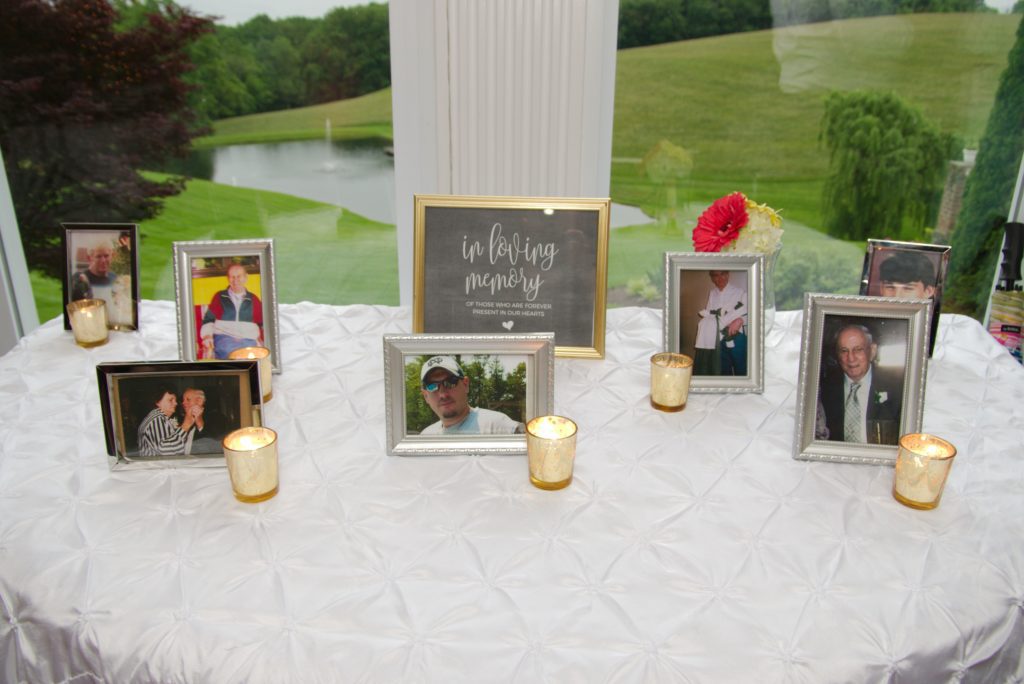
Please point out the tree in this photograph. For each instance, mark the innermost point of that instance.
(988, 191)
(348, 53)
(84, 105)
(887, 165)
(668, 165)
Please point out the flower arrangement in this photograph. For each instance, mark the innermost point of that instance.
(735, 223)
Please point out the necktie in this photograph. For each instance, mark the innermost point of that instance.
(852, 415)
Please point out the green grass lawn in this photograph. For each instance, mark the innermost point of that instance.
(750, 117)
(741, 105)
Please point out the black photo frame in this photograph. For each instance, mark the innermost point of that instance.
(129, 393)
(112, 277)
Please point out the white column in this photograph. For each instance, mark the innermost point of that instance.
(500, 97)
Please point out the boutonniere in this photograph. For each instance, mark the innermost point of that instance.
(881, 397)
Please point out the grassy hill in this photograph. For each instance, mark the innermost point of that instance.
(748, 106)
(368, 116)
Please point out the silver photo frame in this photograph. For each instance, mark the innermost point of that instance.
(690, 290)
(524, 363)
(202, 271)
(144, 408)
(849, 334)
(907, 270)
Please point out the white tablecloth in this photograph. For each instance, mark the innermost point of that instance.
(690, 547)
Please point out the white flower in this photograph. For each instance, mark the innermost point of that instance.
(763, 231)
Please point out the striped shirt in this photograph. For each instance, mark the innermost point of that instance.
(159, 435)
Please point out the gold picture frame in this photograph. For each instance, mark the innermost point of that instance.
(510, 265)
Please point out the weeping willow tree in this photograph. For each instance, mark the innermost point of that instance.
(887, 166)
(668, 166)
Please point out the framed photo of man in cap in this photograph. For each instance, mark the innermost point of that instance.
(465, 394)
(907, 270)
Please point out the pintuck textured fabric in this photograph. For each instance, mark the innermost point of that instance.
(690, 547)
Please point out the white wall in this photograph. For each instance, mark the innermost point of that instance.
(500, 97)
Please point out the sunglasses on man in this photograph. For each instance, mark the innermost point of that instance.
(449, 383)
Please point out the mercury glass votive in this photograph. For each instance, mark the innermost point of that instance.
(89, 322)
(266, 370)
(922, 465)
(670, 381)
(251, 455)
(551, 449)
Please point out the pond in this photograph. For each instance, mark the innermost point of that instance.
(359, 176)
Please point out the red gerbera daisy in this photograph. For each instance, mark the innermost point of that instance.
(720, 223)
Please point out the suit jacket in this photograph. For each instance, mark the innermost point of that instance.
(884, 405)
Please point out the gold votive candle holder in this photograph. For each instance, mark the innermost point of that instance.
(670, 381)
(551, 449)
(922, 466)
(89, 322)
(251, 455)
(266, 370)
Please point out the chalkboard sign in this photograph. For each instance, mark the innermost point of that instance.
(500, 265)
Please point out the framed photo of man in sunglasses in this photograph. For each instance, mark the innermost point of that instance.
(465, 394)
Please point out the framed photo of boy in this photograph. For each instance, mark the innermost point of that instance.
(863, 362)
(102, 262)
(714, 314)
(907, 270)
(465, 394)
(173, 413)
(227, 298)
(501, 265)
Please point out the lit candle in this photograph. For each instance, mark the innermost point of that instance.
(251, 455)
(263, 354)
(670, 381)
(551, 449)
(922, 465)
(88, 322)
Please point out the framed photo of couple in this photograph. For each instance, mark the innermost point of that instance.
(465, 394)
(714, 313)
(863, 362)
(102, 262)
(227, 298)
(172, 413)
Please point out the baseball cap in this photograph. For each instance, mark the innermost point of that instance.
(445, 362)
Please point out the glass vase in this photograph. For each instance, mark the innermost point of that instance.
(769, 288)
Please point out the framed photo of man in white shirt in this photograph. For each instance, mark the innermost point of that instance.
(714, 314)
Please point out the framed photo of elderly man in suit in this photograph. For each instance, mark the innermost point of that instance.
(714, 314)
(227, 298)
(862, 371)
